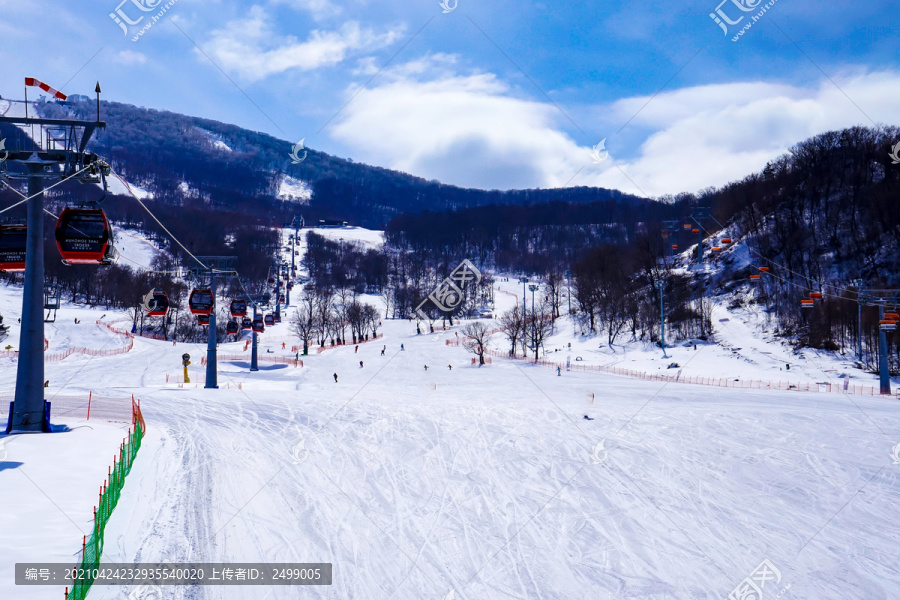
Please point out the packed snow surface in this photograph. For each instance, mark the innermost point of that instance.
(135, 250)
(367, 237)
(115, 186)
(471, 482)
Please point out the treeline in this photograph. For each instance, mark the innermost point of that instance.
(340, 272)
(336, 264)
(533, 239)
(820, 218)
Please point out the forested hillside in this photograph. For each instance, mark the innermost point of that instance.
(821, 218)
(230, 166)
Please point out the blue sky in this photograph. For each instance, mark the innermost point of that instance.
(493, 95)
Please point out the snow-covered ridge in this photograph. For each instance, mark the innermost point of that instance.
(291, 189)
(115, 186)
(215, 140)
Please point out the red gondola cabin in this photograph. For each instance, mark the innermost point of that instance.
(201, 302)
(238, 307)
(156, 303)
(83, 237)
(12, 248)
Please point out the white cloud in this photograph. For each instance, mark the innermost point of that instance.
(711, 135)
(251, 48)
(129, 57)
(471, 130)
(465, 130)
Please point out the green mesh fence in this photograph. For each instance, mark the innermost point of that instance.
(92, 545)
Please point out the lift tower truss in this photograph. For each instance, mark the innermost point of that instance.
(881, 299)
(214, 268)
(57, 152)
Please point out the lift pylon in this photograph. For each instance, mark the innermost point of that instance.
(57, 153)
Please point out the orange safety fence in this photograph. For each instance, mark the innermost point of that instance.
(725, 382)
(121, 331)
(516, 296)
(50, 357)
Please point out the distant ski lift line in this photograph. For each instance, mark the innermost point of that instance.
(784, 269)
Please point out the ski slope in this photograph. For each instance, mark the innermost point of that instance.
(468, 483)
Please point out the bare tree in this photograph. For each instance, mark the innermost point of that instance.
(432, 314)
(345, 296)
(477, 337)
(390, 301)
(538, 326)
(512, 324)
(357, 319)
(555, 283)
(305, 322)
(372, 318)
(324, 303)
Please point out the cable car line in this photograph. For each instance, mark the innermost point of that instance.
(21, 195)
(149, 212)
(45, 190)
(100, 255)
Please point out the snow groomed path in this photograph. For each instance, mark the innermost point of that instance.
(489, 483)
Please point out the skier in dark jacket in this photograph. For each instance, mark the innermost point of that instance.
(335, 377)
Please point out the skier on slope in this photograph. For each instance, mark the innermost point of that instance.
(360, 365)
(335, 377)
